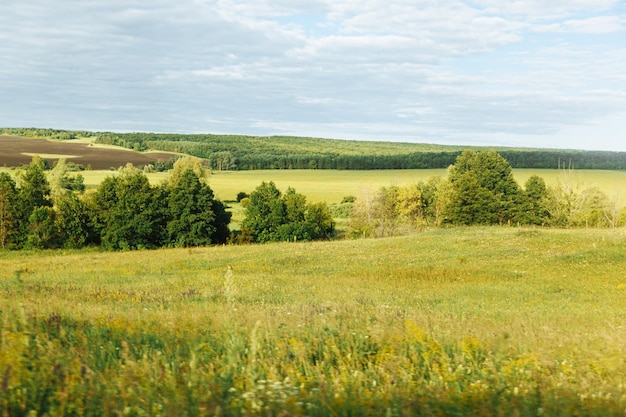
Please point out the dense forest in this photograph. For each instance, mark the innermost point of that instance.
(239, 152)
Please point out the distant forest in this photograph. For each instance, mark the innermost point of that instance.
(239, 152)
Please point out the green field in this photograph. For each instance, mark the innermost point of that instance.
(332, 185)
(466, 321)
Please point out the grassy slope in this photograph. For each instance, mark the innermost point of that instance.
(491, 320)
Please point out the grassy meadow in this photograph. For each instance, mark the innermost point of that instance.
(332, 185)
(467, 321)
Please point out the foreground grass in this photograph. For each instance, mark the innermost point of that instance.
(476, 321)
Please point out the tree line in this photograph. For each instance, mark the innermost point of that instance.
(126, 212)
(42, 211)
(480, 190)
(241, 152)
(45, 210)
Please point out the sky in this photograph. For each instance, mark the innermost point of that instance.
(523, 73)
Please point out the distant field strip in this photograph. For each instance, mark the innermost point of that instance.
(49, 155)
(332, 186)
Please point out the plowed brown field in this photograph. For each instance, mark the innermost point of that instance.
(18, 150)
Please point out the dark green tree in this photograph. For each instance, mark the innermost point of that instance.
(33, 192)
(128, 212)
(8, 215)
(241, 195)
(295, 206)
(433, 199)
(265, 212)
(271, 216)
(42, 231)
(74, 183)
(294, 226)
(73, 222)
(319, 221)
(195, 217)
(483, 190)
(221, 222)
(534, 209)
(100, 205)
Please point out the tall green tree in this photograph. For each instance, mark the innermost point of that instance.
(563, 201)
(221, 222)
(265, 212)
(319, 221)
(128, 212)
(73, 222)
(8, 215)
(56, 179)
(295, 206)
(483, 190)
(34, 188)
(42, 230)
(534, 209)
(33, 192)
(272, 216)
(192, 208)
(304, 221)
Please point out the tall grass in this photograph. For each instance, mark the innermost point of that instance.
(476, 321)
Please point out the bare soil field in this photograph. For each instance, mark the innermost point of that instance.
(16, 150)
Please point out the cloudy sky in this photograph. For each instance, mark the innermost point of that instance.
(540, 73)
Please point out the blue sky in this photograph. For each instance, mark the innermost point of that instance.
(483, 72)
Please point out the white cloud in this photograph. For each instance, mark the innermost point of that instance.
(545, 10)
(592, 25)
(371, 69)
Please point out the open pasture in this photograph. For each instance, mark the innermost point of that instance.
(318, 185)
(19, 150)
(332, 185)
(469, 321)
